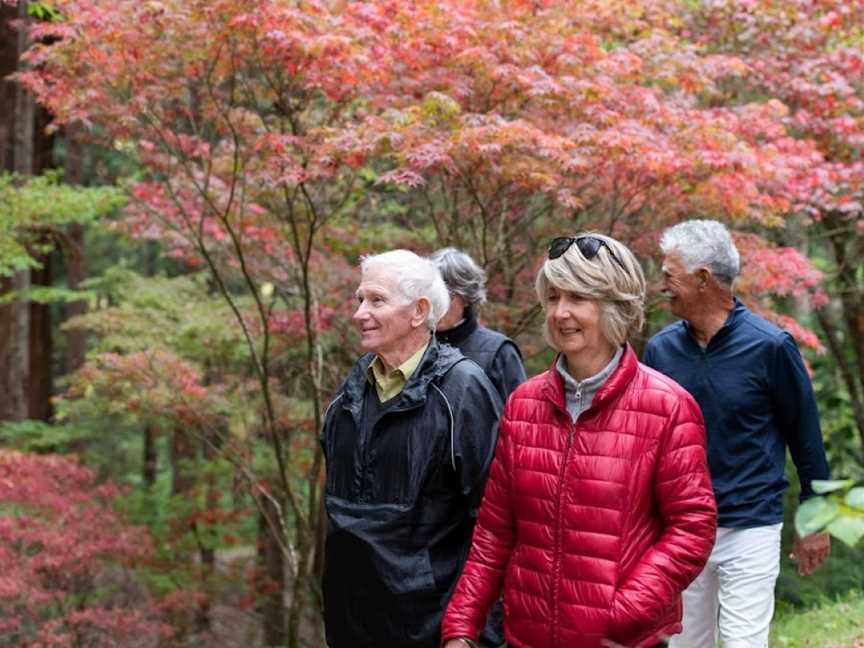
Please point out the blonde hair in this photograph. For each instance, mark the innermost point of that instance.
(619, 289)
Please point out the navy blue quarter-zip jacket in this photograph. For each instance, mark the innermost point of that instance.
(756, 398)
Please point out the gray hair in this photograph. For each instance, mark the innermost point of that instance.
(704, 244)
(414, 277)
(620, 291)
(462, 275)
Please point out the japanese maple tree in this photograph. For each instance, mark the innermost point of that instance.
(516, 124)
(280, 140)
(809, 56)
(61, 544)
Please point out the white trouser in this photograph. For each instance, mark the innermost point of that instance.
(735, 591)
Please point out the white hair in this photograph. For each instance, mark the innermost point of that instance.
(704, 244)
(414, 277)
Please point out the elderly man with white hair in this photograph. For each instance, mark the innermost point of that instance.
(408, 442)
(755, 394)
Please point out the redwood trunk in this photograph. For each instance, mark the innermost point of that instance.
(76, 262)
(41, 348)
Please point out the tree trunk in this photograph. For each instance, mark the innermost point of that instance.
(271, 564)
(15, 317)
(41, 348)
(207, 551)
(24, 111)
(320, 542)
(76, 272)
(7, 412)
(151, 456)
(847, 254)
(8, 65)
(183, 453)
(18, 369)
(847, 375)
(26, 347)
(76, 262)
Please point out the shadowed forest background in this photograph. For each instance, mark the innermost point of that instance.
(187, 187)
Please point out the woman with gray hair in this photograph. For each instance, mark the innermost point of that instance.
(598, 510)
(496, 354)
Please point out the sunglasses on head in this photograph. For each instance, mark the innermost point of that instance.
(589, 246)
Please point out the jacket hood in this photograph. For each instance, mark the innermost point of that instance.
(436, 361)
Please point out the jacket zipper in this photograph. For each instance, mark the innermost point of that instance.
(556, 557)
(364, 451)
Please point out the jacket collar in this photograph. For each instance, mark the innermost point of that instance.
(458, 334)
(437, 361)
(737, 313)
(553, 387)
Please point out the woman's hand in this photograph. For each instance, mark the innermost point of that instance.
(459, 643)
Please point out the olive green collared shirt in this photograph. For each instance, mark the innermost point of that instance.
(390, 385)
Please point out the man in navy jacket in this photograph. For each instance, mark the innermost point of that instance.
(748, 377)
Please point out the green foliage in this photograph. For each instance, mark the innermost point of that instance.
(44, 11)
(32, 211)
(839, 510)
(39, 436)
(842, 573)
(131, 312)
(842, 441)
(46, 295)
(815, 514)
(834, 622)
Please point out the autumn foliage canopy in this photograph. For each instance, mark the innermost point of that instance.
(503, 117)
(276, 142)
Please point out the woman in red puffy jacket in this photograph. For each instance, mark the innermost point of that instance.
(599, 510)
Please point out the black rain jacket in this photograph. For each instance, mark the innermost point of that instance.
(401, 499)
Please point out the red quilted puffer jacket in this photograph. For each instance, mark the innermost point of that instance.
(594, 529)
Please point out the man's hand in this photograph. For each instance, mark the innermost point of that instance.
(810, 551)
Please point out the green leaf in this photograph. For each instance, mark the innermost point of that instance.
(815, 514)
(847, 528)
(855, 498)
(46, 295)
(822, 486)
(31, 206)
(43, 11)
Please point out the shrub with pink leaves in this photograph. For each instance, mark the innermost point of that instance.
(63, 549)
